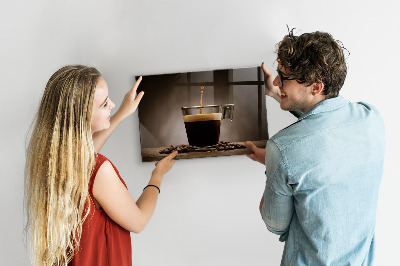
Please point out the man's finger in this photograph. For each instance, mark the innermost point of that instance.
(265, 69)
(251, 156)
(251, 146)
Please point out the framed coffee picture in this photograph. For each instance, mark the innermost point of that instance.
(202, 114)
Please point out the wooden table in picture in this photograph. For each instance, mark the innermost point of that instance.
(153, 154)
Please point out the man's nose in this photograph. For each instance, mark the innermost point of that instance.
(277, 81)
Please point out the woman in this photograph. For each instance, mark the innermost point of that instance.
(78, 207)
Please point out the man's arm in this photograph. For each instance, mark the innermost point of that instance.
(258, 155)
(276, 211)
(276, 206)
(270, 89)
(274, 91)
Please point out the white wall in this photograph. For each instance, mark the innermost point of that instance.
(208, 208)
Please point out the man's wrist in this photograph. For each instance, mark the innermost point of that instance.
(277, 97)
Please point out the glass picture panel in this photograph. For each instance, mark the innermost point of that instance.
(202, 114)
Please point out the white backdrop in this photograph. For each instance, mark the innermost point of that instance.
(208, 208)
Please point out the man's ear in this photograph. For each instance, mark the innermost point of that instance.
(317, 88)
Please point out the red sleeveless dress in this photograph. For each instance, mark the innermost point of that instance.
(103, 241)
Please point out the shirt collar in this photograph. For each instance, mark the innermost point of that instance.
(325, 106)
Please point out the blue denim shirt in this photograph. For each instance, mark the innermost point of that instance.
(323, 175)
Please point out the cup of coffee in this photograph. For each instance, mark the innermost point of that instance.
(203, 124)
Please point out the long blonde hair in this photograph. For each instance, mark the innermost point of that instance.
(59, 162)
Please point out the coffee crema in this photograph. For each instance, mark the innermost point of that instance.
(202, 117)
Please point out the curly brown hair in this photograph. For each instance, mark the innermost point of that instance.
(314, 57)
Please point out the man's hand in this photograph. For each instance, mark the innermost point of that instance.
(259, 154)
(270, 89)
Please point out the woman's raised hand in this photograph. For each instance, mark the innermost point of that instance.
(131, 100)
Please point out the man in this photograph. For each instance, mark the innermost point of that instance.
(323, 171)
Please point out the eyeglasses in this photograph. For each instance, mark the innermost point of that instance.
(282, 78)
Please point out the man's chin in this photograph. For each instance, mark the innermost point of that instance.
(285, 108)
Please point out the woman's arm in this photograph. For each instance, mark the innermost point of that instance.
(116, 201)
(128, 107)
